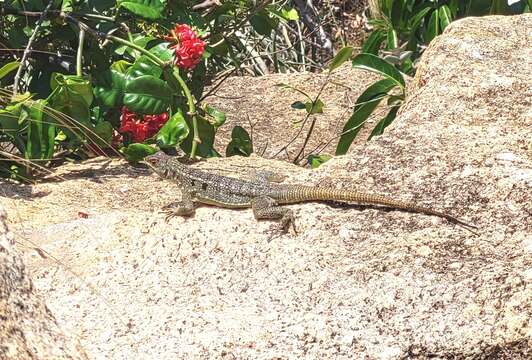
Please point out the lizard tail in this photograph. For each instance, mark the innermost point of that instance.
(328, 194)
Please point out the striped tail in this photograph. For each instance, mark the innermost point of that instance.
(308, 193)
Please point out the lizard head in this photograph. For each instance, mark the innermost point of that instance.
(156, 159)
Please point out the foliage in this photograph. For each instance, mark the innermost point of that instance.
(96, 77)
(403, 28)
(401, 31)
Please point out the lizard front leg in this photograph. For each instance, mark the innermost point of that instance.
(186, 207)
(265, 207)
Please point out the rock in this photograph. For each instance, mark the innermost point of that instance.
(355, 281)
(27, 328)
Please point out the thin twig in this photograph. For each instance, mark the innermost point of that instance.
(28, 46)
(80, 52)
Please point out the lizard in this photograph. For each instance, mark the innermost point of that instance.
(265, 194)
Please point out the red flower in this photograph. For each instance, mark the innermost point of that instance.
(187, 46)
(141, 128)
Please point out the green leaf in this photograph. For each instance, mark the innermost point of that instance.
(218, 117)
(384, 122)
(7, 68)
(262, 23)
(144, 66)
(314, 107)
(103, 134)
(391, 39)
(147, 95)
(445, 16)
(415, 21)
(111, 91)
(298, 105)
(316, 160)
(41, 134)
(75, 84)
(162, 51)
(240, 143)
(377, 89)
(9, 119)
(341, 57)
(138, 39)
(66, 5)
(364, 107)
(289, 14)
(206, 132)
(72, 95)
(396, 17)
(121, 66)
(136, 152)
(375, 64)
(148, 9)
(433, 26)
(373, 42)
(174, 132)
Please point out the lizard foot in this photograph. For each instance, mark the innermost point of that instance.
(179, 208)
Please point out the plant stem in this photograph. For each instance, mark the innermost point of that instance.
(28, 46)
(191, 111)
(79, 55)
(152, 57)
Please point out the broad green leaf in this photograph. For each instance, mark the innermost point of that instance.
(121, 66)
(240, 143)
(72, 96)
(7, 68)
(138, 39)
(289, 14)
(40, 134)
(148, 9)
(218, 117)
(9, 119)
(316, 160)
(198, 81)
(384, 122)
(314, 107)
(433, 27)
(373, 42)
(74, 84)
(144, 66)
(445, 16)
(147, 95)
(375, 64)
(66, 5)
(136, 152)
(110, 91)
(262, 23)
(102, 134)
(206, 134)
(162, 51)
(342, 56)
(174, 132)
(298, 105)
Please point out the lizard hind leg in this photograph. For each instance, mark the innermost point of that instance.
(265, 207)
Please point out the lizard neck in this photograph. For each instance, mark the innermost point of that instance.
(172, 169)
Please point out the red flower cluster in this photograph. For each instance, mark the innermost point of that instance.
(141, 128)
(188, 47)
